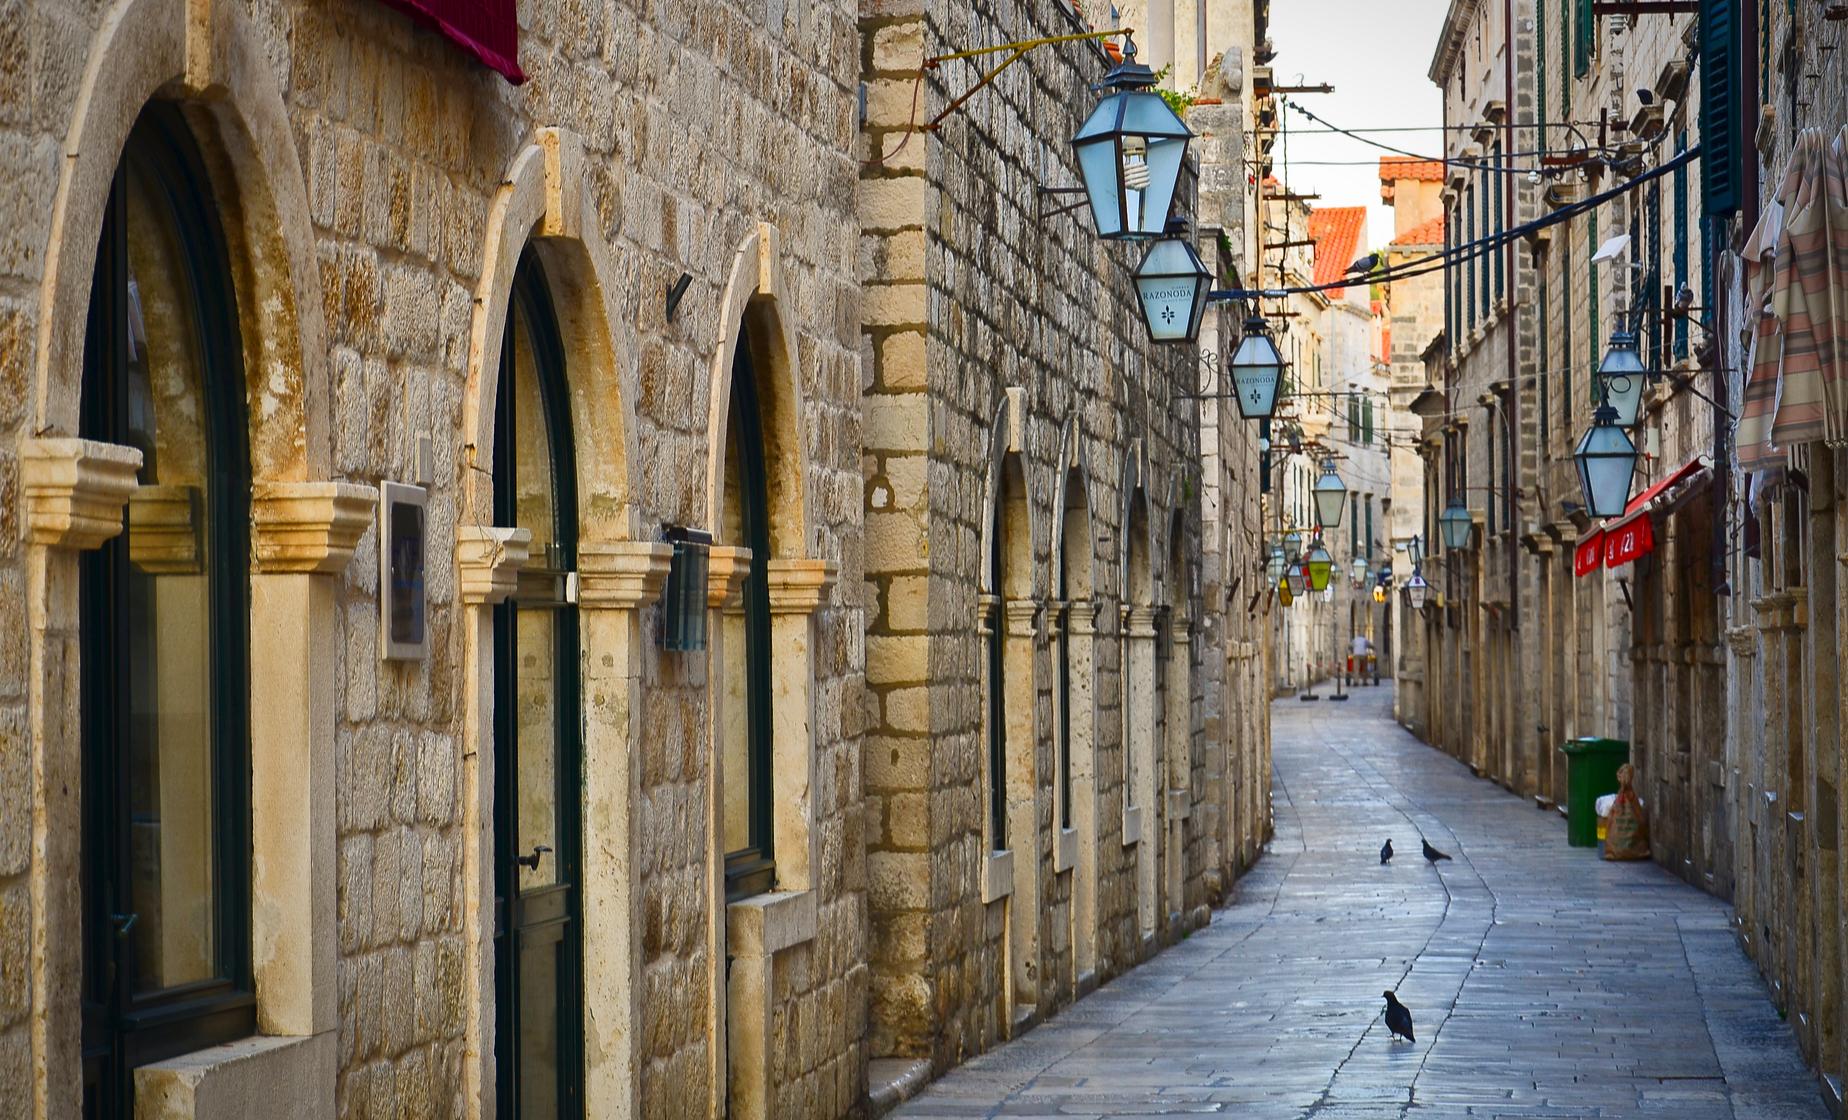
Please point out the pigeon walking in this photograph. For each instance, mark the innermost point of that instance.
(1398, 1017)
(1386, 853)
(1432, 855)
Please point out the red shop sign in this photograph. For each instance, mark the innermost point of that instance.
(1589, 555)
(1628, 541)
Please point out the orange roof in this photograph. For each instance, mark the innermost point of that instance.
(1406, 167)
(1424, 233)
(1336, 230)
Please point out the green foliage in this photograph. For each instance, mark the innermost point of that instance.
(1178, 100)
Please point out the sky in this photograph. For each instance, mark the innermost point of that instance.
(1376, 54)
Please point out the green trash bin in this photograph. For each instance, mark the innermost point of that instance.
(1591, 772)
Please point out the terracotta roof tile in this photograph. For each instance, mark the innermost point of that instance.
(1406, 167)
(1336, 230)
(1424, 233)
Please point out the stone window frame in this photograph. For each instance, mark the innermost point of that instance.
(1073, 627)
(545, 202)
(304, 529)
(751, 931)
(1013, 873)
(1137, 595)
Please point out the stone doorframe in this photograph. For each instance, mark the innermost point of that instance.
(1074, 628)
(545, 203)
(304, 530)
(752, 931)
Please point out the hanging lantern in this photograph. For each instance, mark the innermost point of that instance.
(1379, 593)
(1293, 544)
(1130, 151)
(1257, 371)
(1318, 564)
(1172, 283)
(1606, 462)
(1296, 579)
(1417, 591)
(1330, 496)
(1273, 567)
(1414, 551)
(1455, 523)
(1360, 570)
(1621, 377)
(1284, 594)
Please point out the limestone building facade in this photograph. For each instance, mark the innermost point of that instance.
(449, 563)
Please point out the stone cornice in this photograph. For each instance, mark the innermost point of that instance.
(1139, 621)
(1081, 617)
(74, 490)
(727, 567)
(1055, 617)
(488, 562)
(987, 612)
(800, 586)
(1022, 617)
(622, 575)
(308, 526)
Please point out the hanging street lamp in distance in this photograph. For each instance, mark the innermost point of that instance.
(1454, 523)
(1330, 496)
(1171, 282)
(1621, 377)
(1318, 564)
(1417, 591)
(1257, 371)
(1606, 461)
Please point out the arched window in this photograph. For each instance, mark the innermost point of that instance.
(996, 664)
(749, 734)
(537, 723)
(165, 608)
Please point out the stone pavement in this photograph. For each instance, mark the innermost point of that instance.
(1544, 981)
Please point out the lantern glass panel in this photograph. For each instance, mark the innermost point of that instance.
(1129, 152)
(1330, 496)
(1295, 578)
(1622, 376)
(1455, 524)
(1319, 564)
(1606, 461)
(1171, 281)
(1257, 372)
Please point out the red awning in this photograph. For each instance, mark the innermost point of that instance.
(487, 29)
(1632, 536)
(1588, 557)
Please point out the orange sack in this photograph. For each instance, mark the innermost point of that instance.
(1628, 837)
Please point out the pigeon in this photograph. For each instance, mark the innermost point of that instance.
(1398, 1017)
(1365, 264)
(1386, 853)
(1432, 855)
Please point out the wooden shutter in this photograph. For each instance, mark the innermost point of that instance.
(1720, 170)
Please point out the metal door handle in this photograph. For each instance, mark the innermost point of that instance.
(123, 923)
(532, 861)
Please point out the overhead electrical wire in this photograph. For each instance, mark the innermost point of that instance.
(1478, 164)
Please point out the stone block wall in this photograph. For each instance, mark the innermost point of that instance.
(697, 123)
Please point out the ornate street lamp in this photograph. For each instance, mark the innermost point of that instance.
(1621, 376)
(1414, 551)
(1130, 151)
(1284, 594)
(1273, 567)
(1606, 462)
(1455, 523)
(1295, 579)
(1330, 496)
(1293, 545)
(1360, 570)
(1257, 371)
(1172, 283)
(1318, 564)
(1417, 591)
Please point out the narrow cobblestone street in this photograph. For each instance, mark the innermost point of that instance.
(1544, 982)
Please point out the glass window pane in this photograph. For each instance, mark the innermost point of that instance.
(537, 735)
(169, 734)
(532, 447)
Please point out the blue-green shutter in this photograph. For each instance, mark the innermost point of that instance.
(1540, 76)
(1585, 29)
(1591, 273)
(1719, 107)
(1469, 236)
(1501, 221)
(1680, 191)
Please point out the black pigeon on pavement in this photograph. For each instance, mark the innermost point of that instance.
(1432, 855)
(1386, 853)
(1398, 1018)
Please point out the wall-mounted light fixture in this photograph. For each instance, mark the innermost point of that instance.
(683, 601)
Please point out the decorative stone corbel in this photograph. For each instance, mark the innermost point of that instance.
(165, 537)
(1022, 618)
(622, 574)
(1081, 617)
(74, 490)
(727, 565)
(1055, 617)
(488, 562)
(987, 613)
(309, 526)
(1140, 621)
(799, 586)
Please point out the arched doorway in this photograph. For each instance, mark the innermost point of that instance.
(165, 651)
(538, 747)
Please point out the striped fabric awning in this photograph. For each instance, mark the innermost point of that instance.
(1796, 262)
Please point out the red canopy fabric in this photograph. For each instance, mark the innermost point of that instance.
(1588, 557)
(487, 29)
(1631, 540)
